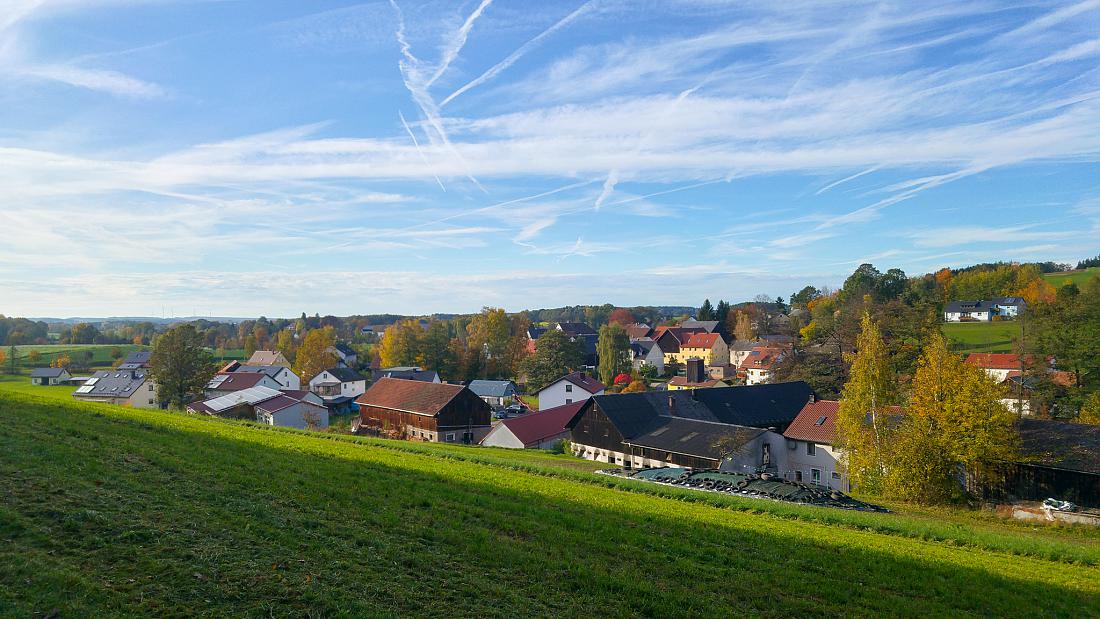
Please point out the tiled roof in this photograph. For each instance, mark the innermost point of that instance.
(702, 340)
(345, 375)
(1070, 446)
(708, 325)
(761, 358)
(266, 357)
(996, 361)
(411, 396)
(816, 423)
(534, 427)
(637, 331)
(584, 381)
(706, 439)
(111, 384)
(575, 328)
(405, 373)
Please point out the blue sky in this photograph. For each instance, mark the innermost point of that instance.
(243, 158)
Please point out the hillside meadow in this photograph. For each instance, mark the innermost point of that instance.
(968, 337)
(1078, 277)
(109, 511)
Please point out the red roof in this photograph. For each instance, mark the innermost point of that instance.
(702, 340)
(761, 358)
(584, 381)
(994, 361)
(815, 423)
(411, 396)
(638, 331)
(534, 427)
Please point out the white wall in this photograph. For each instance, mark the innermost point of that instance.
(501, 436)
(292, 416)
(288, 380)
(825, 459)
(561, 393)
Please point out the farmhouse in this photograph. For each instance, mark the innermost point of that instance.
(733, 428)
(268, 357)
(645, 351)
(759, 366)
(227, 382)
(423, 411)
(289, 409)
(338, 387)
(496, 393)
(638, 331)
(281, 374)
(568, 389)
(541, 430)
(120, 387)
(810, 456)
(984, 310)
(710, 347)
(405, 373)
(49, 376)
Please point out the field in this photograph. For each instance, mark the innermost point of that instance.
(982, 336)
(1077, 277)
(101, 354)
(109, 511)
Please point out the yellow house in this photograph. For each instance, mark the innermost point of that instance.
(710, 347)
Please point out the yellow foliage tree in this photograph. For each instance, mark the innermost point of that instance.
(1090, 409)
(399, 344)
(62, 361)
(635, 386)
(862, 428)
(315, 354)
(743, 329)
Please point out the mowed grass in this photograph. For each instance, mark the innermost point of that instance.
(982, 336)
(1075, 277)
(109, 511)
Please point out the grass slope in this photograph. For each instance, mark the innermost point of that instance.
(101, 354)
(1076, 277)
(982, 336)
(108, 511)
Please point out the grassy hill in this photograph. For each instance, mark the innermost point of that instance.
(109, 511)
(1077, 277)
(971, 337)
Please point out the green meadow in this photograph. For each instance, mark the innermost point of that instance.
(971, 337)
(1071, 277)
(110, 511)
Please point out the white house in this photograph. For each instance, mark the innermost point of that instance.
(759, 366)
(49, 376)
(645, 351)
(570, 388)
(281, 374)
(810, 456)
(228, 382)
(346, 357)
(291, 409)
(541, 430)
(739, 349)
(120, 387)
(338, 388)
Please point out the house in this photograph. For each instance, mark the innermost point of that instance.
(645, 351)
(496, 393)
(759, 366)
(346, 357)
(710, 347)
(425, 411)
(670, 339)
(810, 455)
(731, 428)
(338, 387)
(739, 349)
(49, 376)
(1060, 460)
(697, 377)
(281, 374)
(568, 389)
(586, 335)
(1000, 365)
(405, 373)
(638, 331)
(137, 360)
(268, 357)
(709, 326)
(227, 382)
(120, 387)
(288, 409)
(984, 310)
(541, 430)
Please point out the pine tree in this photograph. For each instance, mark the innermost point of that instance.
(706, 311)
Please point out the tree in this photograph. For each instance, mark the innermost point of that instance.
(803, 297)
(554, 356)
(706, 311)
(399, 344)
(955, 417)
(33, 356)
(622, 316)
(613, 350)
(1090, 409)
(62, 361)
(825, 372)
(180, 365)
(4, 357)
(315, 354)
(636, 386)
(722, 314)
(861, 421)
(83, 333)
(743, 329)
(284, 343)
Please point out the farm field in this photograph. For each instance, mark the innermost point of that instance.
(112, 511)
(101, 354)
(1076, 277)
(982, 336)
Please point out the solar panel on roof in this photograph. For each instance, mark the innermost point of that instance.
(91, 381)
(85, 389)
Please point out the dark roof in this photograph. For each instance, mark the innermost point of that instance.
(968, 306)
(691, 323)
(642, 346)
(410, 396)
(345, 375)
(582, 380)
(111, 384)
(404, 373)
(47, 372)
(270, 370)
(575, 328)
(345, 349)
(695, 438)
(234, 381)
(535, 333)
(1010, 301)
(638, 330)
(137, 359)
(534, 427)
(1061, 445)
(492, 388)
(816, 423)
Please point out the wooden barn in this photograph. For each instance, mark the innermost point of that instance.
(425, 411)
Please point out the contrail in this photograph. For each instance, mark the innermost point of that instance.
(420, 152)
(459, 41)
(519, 53)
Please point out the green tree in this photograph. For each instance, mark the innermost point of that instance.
(613, 350)
(180, 365)
(555, 355)
(862, 425)
(706, 311)
(315, 354)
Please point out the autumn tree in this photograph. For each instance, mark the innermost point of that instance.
(62, 361)
(742, 327)
(621, 316)
(399, 344)
(33, 356)
(554, 356)
(955, 417)
(315, 354)
(4, 357)
(284, 343)
(1090, 409)
(180, 365)
(635, 386)
(861, 422)
(613, 350)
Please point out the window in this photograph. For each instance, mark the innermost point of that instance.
(568, 400)
(815, 475)
(836, 475)
(798, 475)
(450, 437)
(568, 388)
(150, 387)
(811, 449)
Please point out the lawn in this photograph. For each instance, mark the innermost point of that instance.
(982, 336)
(101, 354)
(1076, 277)
(110, 511)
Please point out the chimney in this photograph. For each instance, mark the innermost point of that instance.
(696, 373)
(811, 398)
